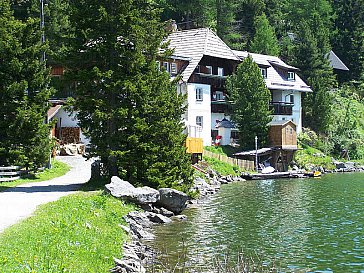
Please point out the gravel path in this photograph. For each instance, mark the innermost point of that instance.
(20, 202)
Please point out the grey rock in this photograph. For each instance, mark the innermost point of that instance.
(165, 212)
(158, 218)
(140, 232)
(350, 165)
(180, 217)
(172, 199)
(128, 266)
(340, 165)
(140, 218)
(125, 228)
(124, 190)
(223, 181)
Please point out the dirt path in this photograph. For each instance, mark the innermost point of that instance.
(20, 202)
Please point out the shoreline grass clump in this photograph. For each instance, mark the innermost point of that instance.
(58, 169)
(78, 233)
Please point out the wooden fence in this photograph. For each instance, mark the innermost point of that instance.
(247, 165)
(10, 173)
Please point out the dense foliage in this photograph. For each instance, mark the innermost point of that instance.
(250, 104)
(126, 105)
(24, 92)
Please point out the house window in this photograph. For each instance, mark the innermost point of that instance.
(263, 71)
(199, 121)
(173, 68)
(166, 66)
(209, 69)
(291, 98)
(291, 76)
(220, 71)
(199, 94)
(219, 95)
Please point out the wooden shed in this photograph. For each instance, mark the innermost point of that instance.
(283, 134)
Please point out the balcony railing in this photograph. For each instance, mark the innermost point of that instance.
(281, 108)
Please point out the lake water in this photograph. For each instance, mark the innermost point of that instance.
(299, 225)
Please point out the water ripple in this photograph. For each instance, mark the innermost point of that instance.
(306, 225)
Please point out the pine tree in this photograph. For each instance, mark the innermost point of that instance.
(129, 109)
(24, 92)
(348, 41)
(318, 73)
(189, 13)
(265, 40)
(246, 11)
(250, 108)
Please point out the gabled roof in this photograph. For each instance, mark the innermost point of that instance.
(196, 43)
(336, 63)
(281, 123)
(53, 111)
(274, 80)
(225, 124)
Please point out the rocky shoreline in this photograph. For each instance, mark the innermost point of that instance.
(159, 207)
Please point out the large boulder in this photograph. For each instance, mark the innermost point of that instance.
(172, 199)
(124, 190)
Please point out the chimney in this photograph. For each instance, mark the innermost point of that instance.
(171, 26)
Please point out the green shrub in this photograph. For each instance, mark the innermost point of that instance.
(311, 157)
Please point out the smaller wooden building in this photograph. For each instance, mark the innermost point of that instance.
(282, 133)
(283, 139)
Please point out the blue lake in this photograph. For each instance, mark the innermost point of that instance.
(298, 225)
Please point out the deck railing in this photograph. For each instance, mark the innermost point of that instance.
(281, 108)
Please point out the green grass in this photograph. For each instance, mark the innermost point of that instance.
(58, 169)
(309, 156)
(78, 233)
(223, 150)
(222, 167)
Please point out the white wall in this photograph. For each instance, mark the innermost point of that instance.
(200, 108)
(66, 119)
(217, 116)
(296, 117)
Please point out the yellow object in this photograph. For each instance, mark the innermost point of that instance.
(194, 145)
(316, 174)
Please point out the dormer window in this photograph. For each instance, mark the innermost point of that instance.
(291, 76)
(209, 69)
(220, 71)
(173, 69)
(166, 66)
(263, 71)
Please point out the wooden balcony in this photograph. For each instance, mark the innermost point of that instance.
(281, 108)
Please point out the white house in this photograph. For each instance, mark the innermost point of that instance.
(285, 85)
(204, 61)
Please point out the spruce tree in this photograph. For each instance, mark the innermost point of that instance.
(250, 107)
(129, 109)
(24, 92)
(265, 40)
(318, 73)
(348, 40)
(246, 11)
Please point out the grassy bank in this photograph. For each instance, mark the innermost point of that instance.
(222, 167)
(222, 150)
(308, 157)
(58, 169)
(78, 233)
